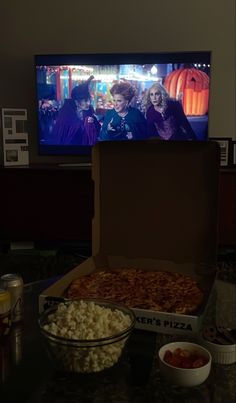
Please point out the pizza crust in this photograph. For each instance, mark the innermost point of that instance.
(152, 290)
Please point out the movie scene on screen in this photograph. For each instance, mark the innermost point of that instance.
(82, 104)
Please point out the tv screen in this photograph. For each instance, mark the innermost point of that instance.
(86, 98)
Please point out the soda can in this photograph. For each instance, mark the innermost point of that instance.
(13, 283)
(5, 360)
(5, 312)
(16, 336)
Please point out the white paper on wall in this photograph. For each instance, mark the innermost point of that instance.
(15, 136)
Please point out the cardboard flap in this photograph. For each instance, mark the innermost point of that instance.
(156, 199)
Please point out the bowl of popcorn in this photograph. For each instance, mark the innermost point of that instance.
(184, 364)
(86, 335)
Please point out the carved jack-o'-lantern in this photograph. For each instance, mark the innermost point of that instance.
(191, 86)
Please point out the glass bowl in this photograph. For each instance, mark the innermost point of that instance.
(91, 353)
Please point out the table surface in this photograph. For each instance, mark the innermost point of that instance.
(27, 375)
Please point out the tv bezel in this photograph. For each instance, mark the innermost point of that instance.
(174, 57)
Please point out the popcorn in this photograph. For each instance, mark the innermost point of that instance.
(86, 320)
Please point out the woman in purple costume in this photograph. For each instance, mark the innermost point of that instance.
(76, 122)
(86, 113)
(166, 119)
(68, 128)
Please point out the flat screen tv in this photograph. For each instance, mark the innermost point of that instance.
(85, 98)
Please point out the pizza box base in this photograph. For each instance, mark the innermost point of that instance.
(149, 320)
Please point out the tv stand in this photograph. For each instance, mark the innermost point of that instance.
(76, 164)
(46, 203)
(52, 203)
(21, 246)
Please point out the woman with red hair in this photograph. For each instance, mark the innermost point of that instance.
(123, 122)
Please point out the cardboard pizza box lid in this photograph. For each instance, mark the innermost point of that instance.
(156, 199)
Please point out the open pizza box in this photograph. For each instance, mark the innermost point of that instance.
(155, 208)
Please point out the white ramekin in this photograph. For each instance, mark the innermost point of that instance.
(221, 354)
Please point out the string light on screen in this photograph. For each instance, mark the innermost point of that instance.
(154, 69)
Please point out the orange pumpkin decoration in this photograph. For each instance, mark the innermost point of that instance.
(191, 86)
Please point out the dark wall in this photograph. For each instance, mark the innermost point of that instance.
(31, 27)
